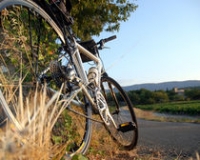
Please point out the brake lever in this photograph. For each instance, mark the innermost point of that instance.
(101, 44)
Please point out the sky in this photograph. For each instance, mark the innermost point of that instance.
(159, 43)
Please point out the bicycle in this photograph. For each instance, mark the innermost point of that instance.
(38, 47)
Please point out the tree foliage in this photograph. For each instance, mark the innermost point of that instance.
(193, 94)
(144, 96)
(92, 17)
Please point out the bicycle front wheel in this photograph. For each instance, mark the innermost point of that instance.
(123, 128)
(27, 45)
(30, 41)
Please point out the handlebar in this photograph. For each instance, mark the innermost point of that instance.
(105, 40)
(109, 38)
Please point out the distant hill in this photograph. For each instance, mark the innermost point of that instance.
(164, 85)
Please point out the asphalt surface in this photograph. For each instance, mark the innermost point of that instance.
(171, 138)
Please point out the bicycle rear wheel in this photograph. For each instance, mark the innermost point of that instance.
(29, 41)
(121, 109)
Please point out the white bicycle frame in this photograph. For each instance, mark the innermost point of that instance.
(103, 110)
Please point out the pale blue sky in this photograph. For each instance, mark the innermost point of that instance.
(160, 42)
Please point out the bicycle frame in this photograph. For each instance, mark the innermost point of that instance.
(103, 111)
(80, 69)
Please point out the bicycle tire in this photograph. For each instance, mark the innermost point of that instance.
(29, 41)
(121, 109)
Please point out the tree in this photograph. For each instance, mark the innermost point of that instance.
(160, 96)
(171, 94)
(134, 97)
(146, 97)
(193, 94)
(92, 16)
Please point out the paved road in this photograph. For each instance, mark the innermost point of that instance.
(170, 138)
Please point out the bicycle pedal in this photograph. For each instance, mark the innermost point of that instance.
(127, 126)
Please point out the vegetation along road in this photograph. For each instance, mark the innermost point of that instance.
(173, 139)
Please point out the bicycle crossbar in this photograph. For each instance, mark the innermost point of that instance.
(87, 53)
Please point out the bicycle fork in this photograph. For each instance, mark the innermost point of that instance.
(104, 111)
(101, 105)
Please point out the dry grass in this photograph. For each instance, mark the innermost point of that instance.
(34, 140)
(150, 115)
